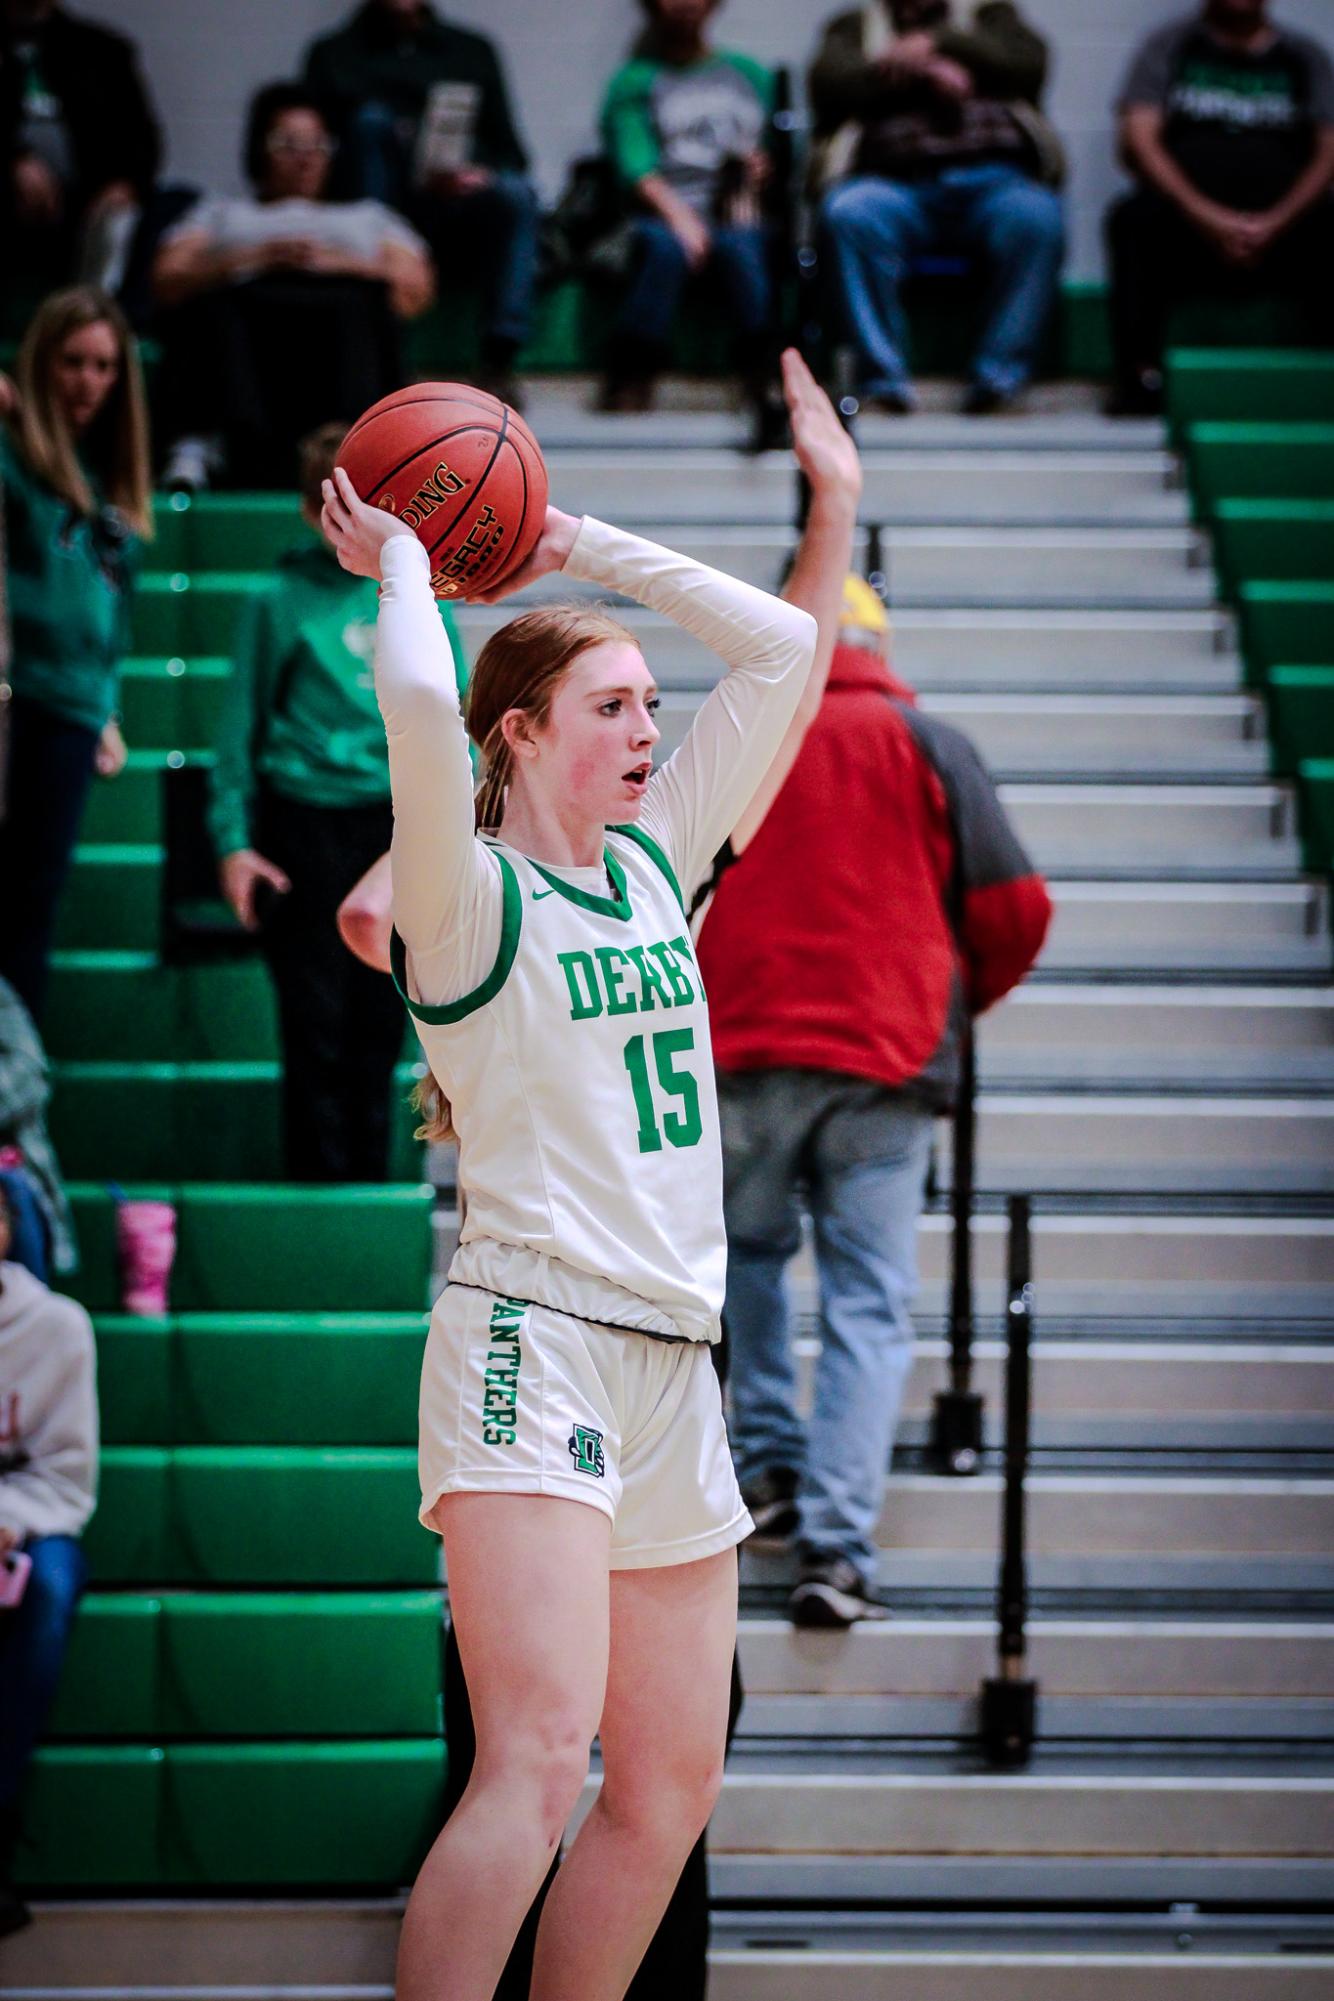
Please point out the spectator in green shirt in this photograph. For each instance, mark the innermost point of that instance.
(74, 469)
(686, 128)
(299, 809)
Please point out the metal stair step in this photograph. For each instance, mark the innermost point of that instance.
(1097, 567)
(1209, 1658)
(1160, 1025)
(628, 486)
(1103, 1141)
(1139, 652)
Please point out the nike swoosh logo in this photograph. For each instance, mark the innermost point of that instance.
(538, 894)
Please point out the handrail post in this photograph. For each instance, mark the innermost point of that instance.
(957, 1422)
(1009, 1699)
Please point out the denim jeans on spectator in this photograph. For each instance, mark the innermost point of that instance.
(997, 214)
(51, 774)
(28, 1244)
(33, 1639)
(741, 259)
(857, 1154)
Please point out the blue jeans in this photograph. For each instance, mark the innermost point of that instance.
(858, 1155)
(490, 234)
(29, 1244)
(740, 257)
(1001, 217)
(33, 1639)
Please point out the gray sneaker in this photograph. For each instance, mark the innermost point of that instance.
(830, 1591)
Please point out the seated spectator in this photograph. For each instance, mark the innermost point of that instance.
(78, 134)
(75, 476)
(830, 1079)
(1227, 124)
(423, 113)
(930, 140)
(281, 305)
(299, 809)
(42, 1231)
(686, 127)
(48, 1486)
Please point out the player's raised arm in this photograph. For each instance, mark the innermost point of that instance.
(438, 872)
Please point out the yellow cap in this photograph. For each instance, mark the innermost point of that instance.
(863, 611)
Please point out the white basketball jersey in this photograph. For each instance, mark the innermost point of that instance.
(581, 1079)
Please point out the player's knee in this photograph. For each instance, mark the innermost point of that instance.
(669, 1803)
(550, 1763)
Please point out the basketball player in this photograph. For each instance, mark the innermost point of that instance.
(573, 1455)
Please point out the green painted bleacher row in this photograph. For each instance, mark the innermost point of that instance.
(259, 1664)
(276, 1379)
(1258, 434)
(151, 1121)
(270, 1248)
(236, 1815)
(169, 703)
(288, 1516)
(128, 1007)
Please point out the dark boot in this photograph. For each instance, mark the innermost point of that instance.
(633, 367)
(14, 1913)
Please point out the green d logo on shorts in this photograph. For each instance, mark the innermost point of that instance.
(586, 1451)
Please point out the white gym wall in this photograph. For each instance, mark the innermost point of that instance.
(205, 59)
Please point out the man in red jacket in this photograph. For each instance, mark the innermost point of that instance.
(882, 899)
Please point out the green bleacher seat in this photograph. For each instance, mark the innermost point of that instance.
(109, 1686)
(1249, 385)
(1284, 622)
(297, 1379)
(174, 612)
(128, 808)
(259, 1515)
(224, 531)
(92, 1819)
(301, 1815)
(190, 1121)
(272, 1249)
(1260, 462)
(111, 898)
(231, 1816)
(1317, 776)
(129, 1539)
(198, 1664)
(1274, 539)
(125, 1007)
(288, 1664)
(169, 703)
(1301, 714)
(136, 1386)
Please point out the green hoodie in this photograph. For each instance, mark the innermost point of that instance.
(300, 712)
(70, 578)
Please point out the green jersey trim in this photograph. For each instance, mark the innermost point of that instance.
(654, 853)
(605, 906)
(511, 918)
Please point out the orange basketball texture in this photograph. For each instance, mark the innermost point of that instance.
(463, 470)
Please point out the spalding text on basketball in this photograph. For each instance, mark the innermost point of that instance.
(433, 494)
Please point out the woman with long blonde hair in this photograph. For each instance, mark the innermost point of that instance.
(572, 1453)
(74, 470)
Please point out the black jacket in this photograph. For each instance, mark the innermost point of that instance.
(371, 58)
(95, 74)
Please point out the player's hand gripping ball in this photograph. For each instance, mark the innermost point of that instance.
(462, 470)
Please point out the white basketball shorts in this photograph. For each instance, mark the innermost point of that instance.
(518, 1399)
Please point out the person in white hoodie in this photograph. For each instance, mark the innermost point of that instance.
(48, 1490)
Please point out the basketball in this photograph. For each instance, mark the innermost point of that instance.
(463, 470)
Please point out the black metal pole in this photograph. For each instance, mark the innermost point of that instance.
(1009, 1699)
(957, 1425)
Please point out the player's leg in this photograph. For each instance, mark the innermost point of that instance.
(663, 1733)
(529, 1593)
